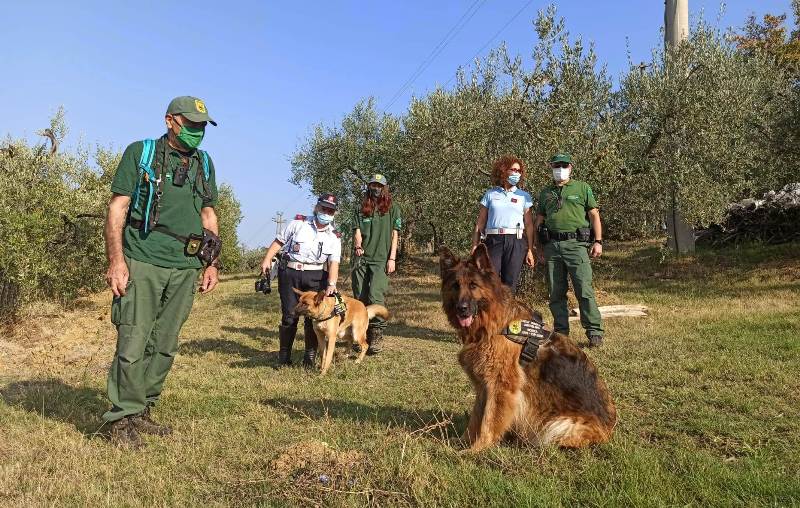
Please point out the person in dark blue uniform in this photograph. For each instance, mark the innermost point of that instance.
(310, 252)
(506, 221)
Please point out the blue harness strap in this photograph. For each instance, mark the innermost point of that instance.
(145, 168)
(148, 176)
(206, 170)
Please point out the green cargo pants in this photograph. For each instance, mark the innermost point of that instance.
(571, 257)
(370, 283)
(148, 319)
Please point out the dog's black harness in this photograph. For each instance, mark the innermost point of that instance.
(530, 334)
(339, 308)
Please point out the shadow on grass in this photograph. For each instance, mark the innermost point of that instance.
(254, 332)
(55, 400)
(252, 357)
(433, 423)
(416, 332)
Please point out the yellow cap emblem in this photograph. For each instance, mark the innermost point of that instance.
(200, 106)
(378, 176)
(515, 327)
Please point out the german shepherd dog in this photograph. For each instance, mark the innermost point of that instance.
(556, 398)
(352, 325)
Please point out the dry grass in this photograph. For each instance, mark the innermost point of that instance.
(706, 388)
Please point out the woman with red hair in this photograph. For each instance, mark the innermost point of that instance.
(375, 235)
(505, 220)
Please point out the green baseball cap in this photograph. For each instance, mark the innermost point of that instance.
(191, 107)
(561, 157)
(378, 178)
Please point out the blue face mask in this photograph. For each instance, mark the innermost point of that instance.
(324, 218)
(513, 178)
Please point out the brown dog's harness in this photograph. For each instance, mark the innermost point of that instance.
(339, 308)
(530, 335)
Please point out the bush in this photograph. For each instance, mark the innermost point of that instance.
(694, 128)
(52, 211)
(52, 207)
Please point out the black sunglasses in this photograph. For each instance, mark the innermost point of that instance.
(560, 164)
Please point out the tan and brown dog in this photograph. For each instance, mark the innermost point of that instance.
(558, 397)
(351, 326)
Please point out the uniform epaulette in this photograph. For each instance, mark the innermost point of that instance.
(299, 216)
(337, 233)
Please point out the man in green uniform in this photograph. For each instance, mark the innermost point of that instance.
(572, 234)
(375, 234)
(164, 190)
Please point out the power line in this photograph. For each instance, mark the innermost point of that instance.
(449, 36)
(515, 16)
(294, 197)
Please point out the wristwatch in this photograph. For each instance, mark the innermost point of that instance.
(599, 241)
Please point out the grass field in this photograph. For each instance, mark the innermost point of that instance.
(707, 389)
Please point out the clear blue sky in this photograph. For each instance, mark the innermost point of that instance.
(268, 71)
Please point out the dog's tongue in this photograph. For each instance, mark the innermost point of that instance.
(465, 321)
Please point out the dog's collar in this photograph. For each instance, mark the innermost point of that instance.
(339, 308)
(530, 335)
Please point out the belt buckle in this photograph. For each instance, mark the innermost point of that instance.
(501, 230)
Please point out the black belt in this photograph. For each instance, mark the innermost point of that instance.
(137, 224)
(560, 237)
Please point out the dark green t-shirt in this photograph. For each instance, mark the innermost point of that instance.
(576, 199)
(376, 233)
(179, 210)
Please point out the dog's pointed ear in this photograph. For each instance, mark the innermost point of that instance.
(298, 291)
(446, 259)
(320, 296)
(481, 257)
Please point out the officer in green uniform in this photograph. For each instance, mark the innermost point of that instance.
(569, 233)
(375, 233)
(164, 190)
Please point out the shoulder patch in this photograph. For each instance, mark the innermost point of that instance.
(299, 216)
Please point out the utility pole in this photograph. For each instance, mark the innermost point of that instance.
(680, 234)
(278, 220)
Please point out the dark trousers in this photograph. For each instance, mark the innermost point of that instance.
(304, 280)
(507, 253)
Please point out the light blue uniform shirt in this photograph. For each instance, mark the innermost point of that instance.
(506, 208)
(304, 243)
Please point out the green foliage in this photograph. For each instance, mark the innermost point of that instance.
(698, 127)
(694, 124)
(52, 211)
(229, 215)
(51, 217)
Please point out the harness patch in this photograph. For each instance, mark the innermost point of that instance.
(530, 334)
(339, 308)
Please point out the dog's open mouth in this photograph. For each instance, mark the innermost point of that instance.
(465, 321)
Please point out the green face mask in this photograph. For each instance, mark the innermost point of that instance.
(191, 137)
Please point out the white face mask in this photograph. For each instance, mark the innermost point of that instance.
(561, 174)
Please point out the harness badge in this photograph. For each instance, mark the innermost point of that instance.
(193, 246)
(515, 327)
(200, 106)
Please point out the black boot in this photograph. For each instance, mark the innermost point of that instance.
(595, 340)
(374, 339)
(286, 339)
(310, 355)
